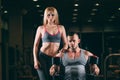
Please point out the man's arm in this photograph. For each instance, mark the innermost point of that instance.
(93, 63)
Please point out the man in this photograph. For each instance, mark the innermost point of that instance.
(75, 59)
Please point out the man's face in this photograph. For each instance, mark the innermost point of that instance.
(73, 41)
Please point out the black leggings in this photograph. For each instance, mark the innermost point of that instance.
(45, 64)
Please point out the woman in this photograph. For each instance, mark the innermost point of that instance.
(50, 33)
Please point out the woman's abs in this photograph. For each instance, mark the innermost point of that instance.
(50, 48)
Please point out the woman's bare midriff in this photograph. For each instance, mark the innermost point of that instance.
(50, 49)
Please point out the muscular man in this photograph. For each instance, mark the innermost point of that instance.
(75, 60)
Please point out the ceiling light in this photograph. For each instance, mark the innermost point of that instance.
(37, 5)
(35, 0)
(89, 20)
(94, 9)
(75, 14)
(92, 14)
(118, 8)
(97, 4)
(76, 5)
(74, 18)
(75, 9)
(113, 16)
(5, 11)
(74, 21)
(40, 11)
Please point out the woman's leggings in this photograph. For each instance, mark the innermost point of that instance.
(45, 64)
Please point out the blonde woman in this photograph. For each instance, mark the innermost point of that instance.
(51, 33)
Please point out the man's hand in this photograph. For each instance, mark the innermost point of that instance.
(52, 70)
(94, 69)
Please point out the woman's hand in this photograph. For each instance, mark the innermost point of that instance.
(36, 64)
(63, 50)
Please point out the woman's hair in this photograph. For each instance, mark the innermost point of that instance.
(54, 10)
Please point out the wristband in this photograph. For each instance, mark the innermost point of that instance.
(93, 60)
(56, 60)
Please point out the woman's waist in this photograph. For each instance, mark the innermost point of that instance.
(49, 52)
(50, 44)
(44, 55)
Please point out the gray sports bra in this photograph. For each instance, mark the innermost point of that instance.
(51, 38)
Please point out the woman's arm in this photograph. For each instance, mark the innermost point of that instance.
(64, 38)
(35, 47)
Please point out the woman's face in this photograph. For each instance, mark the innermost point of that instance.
(50, 17)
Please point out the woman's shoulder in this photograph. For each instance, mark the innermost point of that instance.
(40, 27)
(60, 26)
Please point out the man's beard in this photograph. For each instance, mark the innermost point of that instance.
(74, 48)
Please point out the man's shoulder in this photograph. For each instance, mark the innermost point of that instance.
(86, 52)
(83, 50)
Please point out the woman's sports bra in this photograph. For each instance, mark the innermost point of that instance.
(51, 38)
